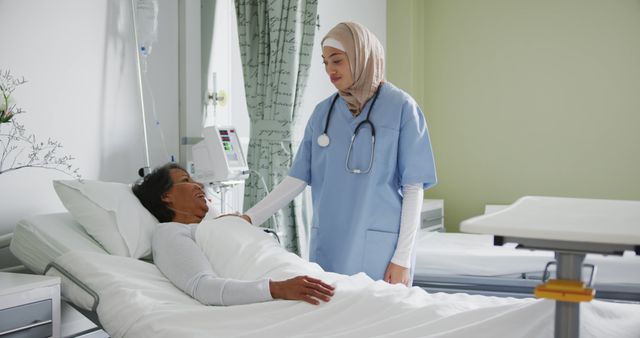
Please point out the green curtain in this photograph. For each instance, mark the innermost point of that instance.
(276, 39)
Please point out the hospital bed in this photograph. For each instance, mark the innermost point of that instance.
(131, 298)
(471, 263)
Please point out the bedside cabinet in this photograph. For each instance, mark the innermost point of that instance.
(432, 215)
(29, 306)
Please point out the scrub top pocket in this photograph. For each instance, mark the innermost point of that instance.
(378, 250)
(386, 151)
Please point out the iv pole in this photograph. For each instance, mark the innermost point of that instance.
(146, 169)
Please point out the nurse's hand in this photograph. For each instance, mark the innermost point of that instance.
(396, 274)
(236, 214)
(303, 288)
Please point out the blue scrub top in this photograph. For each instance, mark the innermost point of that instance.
(356, 217)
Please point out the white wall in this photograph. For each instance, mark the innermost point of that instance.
(79, 59)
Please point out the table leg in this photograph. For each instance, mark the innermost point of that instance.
(567, 318)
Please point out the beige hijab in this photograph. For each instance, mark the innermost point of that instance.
(366, 58)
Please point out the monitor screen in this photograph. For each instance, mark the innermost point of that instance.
(231, 147)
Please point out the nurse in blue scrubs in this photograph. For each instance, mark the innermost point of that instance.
(367, 156)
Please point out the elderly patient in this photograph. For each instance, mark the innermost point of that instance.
(179, 203)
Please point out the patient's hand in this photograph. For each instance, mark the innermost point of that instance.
(396, 274)
(303, 288)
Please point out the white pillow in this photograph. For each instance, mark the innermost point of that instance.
(110, 213)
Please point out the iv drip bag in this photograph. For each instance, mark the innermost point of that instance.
(147, 24)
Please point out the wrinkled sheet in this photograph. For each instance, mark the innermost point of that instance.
(136, 300)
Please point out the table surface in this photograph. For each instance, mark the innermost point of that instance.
(563, 219)
(18, 282)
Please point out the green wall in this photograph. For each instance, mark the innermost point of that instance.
(538, 97)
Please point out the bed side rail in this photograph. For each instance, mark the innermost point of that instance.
(79, 283)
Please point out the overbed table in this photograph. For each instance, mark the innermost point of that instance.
(571, 227)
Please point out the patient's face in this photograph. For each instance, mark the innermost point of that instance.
(186, 198)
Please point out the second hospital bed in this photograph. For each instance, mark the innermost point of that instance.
(131, 298)
(471, 263)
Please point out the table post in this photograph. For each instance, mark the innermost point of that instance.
(567, 318)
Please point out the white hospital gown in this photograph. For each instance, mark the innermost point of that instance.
(179, 258)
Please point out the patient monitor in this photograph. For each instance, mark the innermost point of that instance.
(218, 158)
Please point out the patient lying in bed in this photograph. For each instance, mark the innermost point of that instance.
(177, 201)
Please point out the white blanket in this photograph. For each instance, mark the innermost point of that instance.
(137, 301)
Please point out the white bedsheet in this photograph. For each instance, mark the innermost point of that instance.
(475, 255)
(137, 301)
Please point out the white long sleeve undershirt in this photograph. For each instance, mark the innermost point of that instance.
(280, 196)
(290, 187)
(409, 224)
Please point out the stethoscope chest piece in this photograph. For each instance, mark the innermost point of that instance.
(323, 140)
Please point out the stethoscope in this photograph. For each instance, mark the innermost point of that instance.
(323, 140)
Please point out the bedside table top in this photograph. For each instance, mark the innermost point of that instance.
(19, 282)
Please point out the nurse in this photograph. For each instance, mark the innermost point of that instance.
(367, 156)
